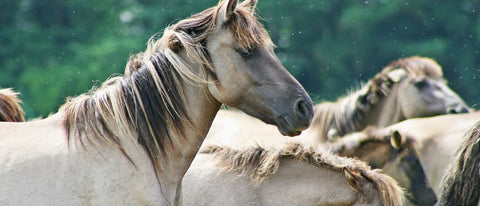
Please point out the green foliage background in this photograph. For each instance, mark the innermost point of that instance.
(52, 49)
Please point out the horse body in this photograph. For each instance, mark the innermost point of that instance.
(131, 141)
(291, 176)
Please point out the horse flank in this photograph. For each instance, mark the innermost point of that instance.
(10, 109)
(260, 164)
(347, 114)
(158, 72)
(460, 185)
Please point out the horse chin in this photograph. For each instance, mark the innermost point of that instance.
(282, 124)
(286, 129)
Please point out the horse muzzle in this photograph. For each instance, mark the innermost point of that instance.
(298, 120)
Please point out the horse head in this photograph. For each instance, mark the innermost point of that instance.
(395, 155)
(415, 87)
(247, 73)
(403, 165)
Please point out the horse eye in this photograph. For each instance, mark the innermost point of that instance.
(244, 52)
(421, 83)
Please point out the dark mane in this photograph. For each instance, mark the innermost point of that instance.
(346, 115)
(147, 102)
(10, 109)
(461, 183)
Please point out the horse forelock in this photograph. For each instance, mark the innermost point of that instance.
(416, 66)
(10, 109)
(191, 34)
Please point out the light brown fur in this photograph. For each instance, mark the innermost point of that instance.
(260, 164)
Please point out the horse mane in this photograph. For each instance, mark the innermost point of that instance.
(460, 185)
(10, 109)
(260, 164)
(347, 113)
(147, 102)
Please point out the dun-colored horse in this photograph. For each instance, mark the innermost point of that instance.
(461, 183)
(10, 109)
(289, 175)
(395, 154)
(131, 141)
(406, 88)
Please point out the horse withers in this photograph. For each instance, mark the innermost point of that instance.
(130, 141)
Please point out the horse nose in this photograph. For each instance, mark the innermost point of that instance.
(303, 110)
(458, 109)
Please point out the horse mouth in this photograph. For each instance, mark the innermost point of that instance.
(286, 128)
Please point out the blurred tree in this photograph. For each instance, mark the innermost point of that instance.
(52, 49)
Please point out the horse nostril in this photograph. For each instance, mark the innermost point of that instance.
(452, 111)
(301, 109)
(457, 110)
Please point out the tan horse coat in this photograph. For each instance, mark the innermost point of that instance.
(289, 175)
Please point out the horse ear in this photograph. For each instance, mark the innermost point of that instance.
(228, 8)
(397, 140)
(352, 179)
(250, 4)
(397, 74)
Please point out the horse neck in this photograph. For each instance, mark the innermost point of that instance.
(201, 108)
(386, 111)
(344, 116)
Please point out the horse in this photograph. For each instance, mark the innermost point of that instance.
(289, 175)
(130, 141)
(395, 154)
(460, 185)
(10, 109)
(406, 88)
(436, 140)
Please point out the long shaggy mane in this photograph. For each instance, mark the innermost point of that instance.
(147, 102)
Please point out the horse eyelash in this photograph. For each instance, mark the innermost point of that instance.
(244, 52)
